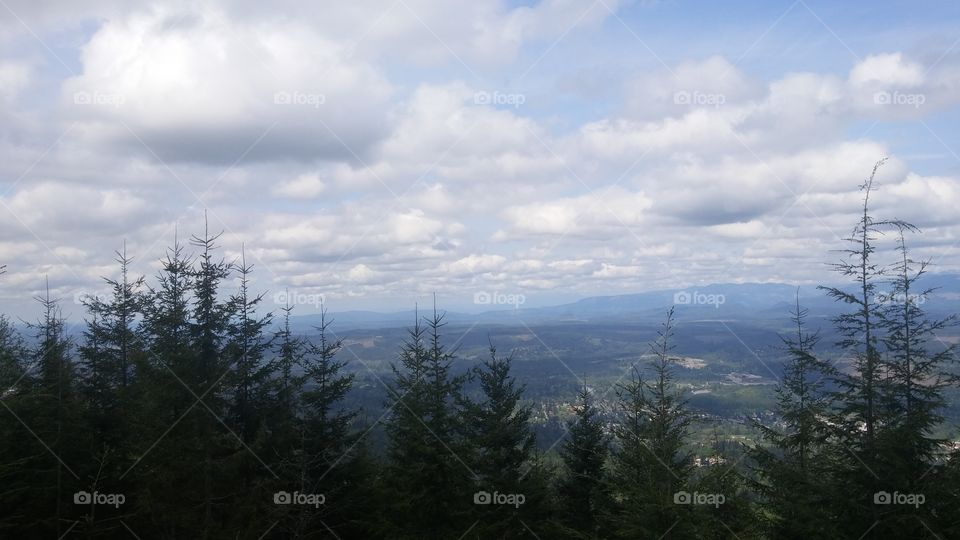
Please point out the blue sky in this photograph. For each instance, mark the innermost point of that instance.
(377, 152)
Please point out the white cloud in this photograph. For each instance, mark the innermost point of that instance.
(386, 175)
(199, 86)
(305, 186)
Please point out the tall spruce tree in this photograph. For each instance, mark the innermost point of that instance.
(915, 380)
(793, 461)
(650, 466)
(426, 480)
(335, 458)
(216, 444)
(583, 496)
(167, 467)
(860, 398)
(111, 348)
(247, 394)
(503, 455)
(42, 428)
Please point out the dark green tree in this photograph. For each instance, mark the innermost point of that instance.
(650, 466)
(503, 455)
(427, 481)
(247, 396)
(861, 391)
(583, 496)
(43, 434)
(108, 354)
(793, 461)
(335, 456)
(916, 378)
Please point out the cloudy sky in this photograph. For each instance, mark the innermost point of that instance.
(376, 151)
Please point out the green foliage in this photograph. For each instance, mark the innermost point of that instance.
(650, 465)
(584, 497)
(426, 479)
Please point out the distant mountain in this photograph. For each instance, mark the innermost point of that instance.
(733, 301)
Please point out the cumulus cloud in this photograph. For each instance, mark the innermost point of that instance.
(383, 150)
(200, 86)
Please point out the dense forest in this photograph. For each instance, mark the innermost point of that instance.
(186, 412)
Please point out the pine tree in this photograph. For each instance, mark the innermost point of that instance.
(43, 433)
(793, 462)
(503, 457)
(859, 328)
(860, 398)
(213, 439)
(729, 512)
(110, 349)
(287, 446)
(169, 456)
(583, 497)
(12, 353)
(334, 455)
(110, 346)
(247, 393)
(915, 381)
(426, 479)
(650, 466)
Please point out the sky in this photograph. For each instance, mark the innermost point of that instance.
(372, 153)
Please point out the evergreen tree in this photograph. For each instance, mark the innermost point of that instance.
(915, 381)
(211, 437)
(503, 445)
(426, 480)
(247, 396)
(793, 463)
(110, 349)
(12, 355)
(650, 467)
(335, 457)
(860, 398)
(167, 464)
(729, 511)
(860, 328)
(42, 432)
(583, 497)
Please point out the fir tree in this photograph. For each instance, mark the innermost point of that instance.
(582, 494)
(335, 457)
(43, 433)
(793, 462)
(167, 464)
(860, 398)
(650, 467)
(248, 390)
(503, 446)
(915, 381)
(427, 480)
